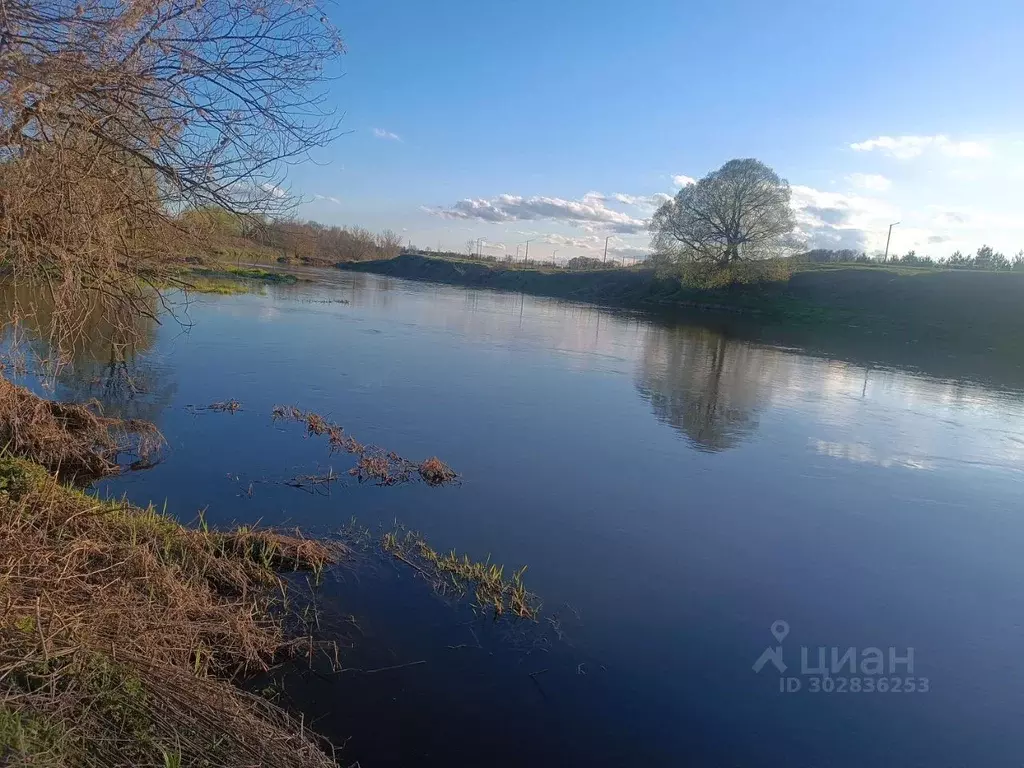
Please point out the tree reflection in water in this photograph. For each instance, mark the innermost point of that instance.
(705, 385)
(102, 360)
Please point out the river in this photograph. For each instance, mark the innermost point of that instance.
(684, 500)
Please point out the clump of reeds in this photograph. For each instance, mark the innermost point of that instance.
(122, 633)
(380, 468)
(383, 467)
(76, 441)
(436, 472)
(493, 591)
(373, 463)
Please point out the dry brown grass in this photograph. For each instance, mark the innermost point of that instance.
(121, 633)
(76, 441)
(436, 472)
(373, 464)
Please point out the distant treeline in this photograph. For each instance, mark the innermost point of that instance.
(308, 240)
(312, 240)
(984, 258)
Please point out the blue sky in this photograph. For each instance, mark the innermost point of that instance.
(565, 121)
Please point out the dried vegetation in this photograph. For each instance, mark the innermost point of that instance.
(76, 441)
(123, 632)
(373, 464)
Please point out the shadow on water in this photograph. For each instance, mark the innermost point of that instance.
(940, 356)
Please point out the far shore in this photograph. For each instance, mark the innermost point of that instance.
(948, 323)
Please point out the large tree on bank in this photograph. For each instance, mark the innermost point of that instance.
(739, 212)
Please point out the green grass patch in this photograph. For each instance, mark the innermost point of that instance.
(450, 572)
(35, 739)
(219, 287)
(247, 273)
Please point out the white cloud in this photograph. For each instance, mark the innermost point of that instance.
(273, 191)
(628, 251)
(861, 222)
(328, 198)
(586, 243)
(970, 218)
(591, 209)
(871, 181)
(836, 220)
(683, 181)
(380, 133)
(967, 149)
(646, 202)
(617, 247)
(908, 147)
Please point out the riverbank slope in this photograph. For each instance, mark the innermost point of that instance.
(957, 306)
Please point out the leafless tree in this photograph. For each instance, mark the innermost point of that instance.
(328, 244)
(117, 115)
(741, 211)
(389, 244)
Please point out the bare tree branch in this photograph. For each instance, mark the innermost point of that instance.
(118, 115)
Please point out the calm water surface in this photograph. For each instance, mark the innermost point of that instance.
(673, 491)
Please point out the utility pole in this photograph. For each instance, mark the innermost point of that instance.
(553, 254)
(606, 248)
(478, 240)
(526, 260)
(517, 254)
(886, 257)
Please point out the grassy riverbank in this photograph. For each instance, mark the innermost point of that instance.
(246, 273)
(124, 634)
(224, 279)
(958, 306)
